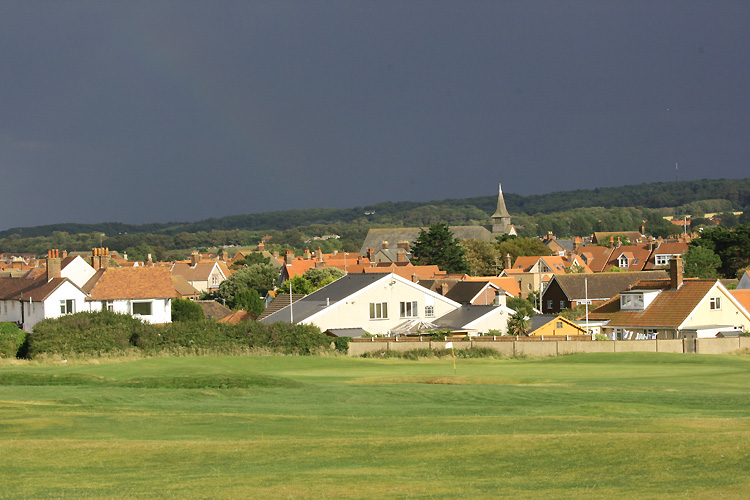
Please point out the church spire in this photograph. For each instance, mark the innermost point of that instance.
(501, 217)
(501, 210)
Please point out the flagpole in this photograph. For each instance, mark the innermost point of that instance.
(453, 355)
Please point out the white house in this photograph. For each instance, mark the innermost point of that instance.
(42, 293)
(381, 304)
(144, 292)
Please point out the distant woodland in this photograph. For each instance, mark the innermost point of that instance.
(566, 214)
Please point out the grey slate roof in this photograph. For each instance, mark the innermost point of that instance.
(354, 333)
(602, 285)
(463, 316)
(463, 291)
(376, 237)
(319, 299)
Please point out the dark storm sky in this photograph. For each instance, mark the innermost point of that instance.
(155, 111)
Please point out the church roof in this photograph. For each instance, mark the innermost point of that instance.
(501, 211)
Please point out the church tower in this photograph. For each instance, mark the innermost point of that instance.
(501, 217)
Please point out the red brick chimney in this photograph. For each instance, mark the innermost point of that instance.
(53, 264)
(675, 273)
(195, 257)
(289, 257)
(508, 263)
(401, 255)
(384, 245)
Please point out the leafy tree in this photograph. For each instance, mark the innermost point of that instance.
(521, 305)
(437, 246)
(299, 284)
(575, 269)
(517, 246)
(258, 277)
(732, 247)
(701, 262)
(319, 277)
(250, 301)
(482, 257)
(186, 310)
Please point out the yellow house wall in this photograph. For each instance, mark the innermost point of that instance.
(729, 314)
(551, 329)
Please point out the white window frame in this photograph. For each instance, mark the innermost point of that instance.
(662, 259)
(67, 306)
(429, 311)
(378, 310)
(408, 309)
(714, 303)
(622, 262)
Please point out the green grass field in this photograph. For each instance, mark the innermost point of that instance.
(590, 426)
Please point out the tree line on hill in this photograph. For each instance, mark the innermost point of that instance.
(565, 214)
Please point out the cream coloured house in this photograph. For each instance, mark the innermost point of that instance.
(378, 303)
(672, 308)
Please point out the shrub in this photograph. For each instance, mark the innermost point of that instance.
(186, 310)
(11, 340)
(193, 336)
(85, 333)
(342, 344)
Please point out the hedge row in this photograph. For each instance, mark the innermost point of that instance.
(11, 340)
(96, 333)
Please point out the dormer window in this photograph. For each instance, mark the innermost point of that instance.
(662, 260)
(631, 302)
(622, 262)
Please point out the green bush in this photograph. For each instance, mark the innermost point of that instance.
(85, 333)
(106, 332)
(11, 340)
(186, 310)
(342, 344)
(193, 336)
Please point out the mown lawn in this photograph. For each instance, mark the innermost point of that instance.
(595, 426)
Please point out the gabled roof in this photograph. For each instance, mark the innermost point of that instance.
(200, 272)
(464, 292)
(637, 256)
(213, 309)
(670, 248)
(539, 320)
(669, 309)
(36, 290)
(324, 297)
(183, 287)
(337, 293)
(743, 297)
(601, 285)
(595, 256)
(131, 283)
(465, 315)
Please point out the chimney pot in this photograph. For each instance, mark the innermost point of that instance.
(675, 273)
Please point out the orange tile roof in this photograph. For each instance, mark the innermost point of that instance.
(743, 297)
(669, 309)
(510, 285)
(131, 283)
